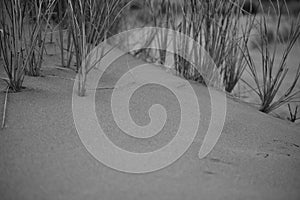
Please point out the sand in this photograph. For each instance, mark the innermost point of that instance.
(42, 157)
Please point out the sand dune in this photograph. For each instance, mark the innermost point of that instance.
(42, 157)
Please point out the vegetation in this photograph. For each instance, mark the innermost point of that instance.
(293, 114)
(21, 49)
(219, 56)
(91, 22)
(36, 34)
(272, 77)
(223, 32)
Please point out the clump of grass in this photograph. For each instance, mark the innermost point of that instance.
(11, 45)
(211, 24)
(21, 51)
(91, 22)
(215, 25)
(188, 57)
(268, 84)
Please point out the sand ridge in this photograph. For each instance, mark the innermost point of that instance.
(42, 157)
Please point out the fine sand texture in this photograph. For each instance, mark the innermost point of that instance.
(42, 156)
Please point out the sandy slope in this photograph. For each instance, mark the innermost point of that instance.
(42, 157)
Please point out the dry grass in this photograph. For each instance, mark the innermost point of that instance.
(223, 32)
(22, 52)
(36, 34)
(12, 23)
(272, 76)
(215, 26)
(293, 113)
(91, 22)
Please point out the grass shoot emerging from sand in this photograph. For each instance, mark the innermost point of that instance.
(293, 113)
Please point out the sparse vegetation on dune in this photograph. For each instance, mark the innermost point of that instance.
(215, 26)
(84, 116)
(23, 35)
(226, 31)
(222, 30)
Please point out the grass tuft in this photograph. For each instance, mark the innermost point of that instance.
(270, 81)
(91, 22)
